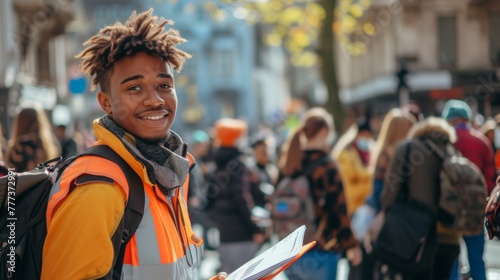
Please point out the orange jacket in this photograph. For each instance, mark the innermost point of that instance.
(80, 225)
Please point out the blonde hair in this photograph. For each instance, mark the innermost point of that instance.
(395, 127)
(313, 121)
(344, 140)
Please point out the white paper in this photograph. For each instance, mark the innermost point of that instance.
(271, 259)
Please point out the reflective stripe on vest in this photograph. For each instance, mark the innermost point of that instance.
(176, 270)
(155, 251)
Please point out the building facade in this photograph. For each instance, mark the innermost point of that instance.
(28, 53)
(231, 72)
(441, 49)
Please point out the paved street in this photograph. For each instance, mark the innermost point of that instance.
(492, 258)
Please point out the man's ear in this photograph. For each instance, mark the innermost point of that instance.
(105, 101)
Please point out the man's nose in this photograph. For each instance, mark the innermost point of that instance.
(153, 98)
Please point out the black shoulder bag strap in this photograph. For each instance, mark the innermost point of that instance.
(404, 191)
(441, 155)
(135, 206)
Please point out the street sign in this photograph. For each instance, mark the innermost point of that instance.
(46, 97)
(77, 85)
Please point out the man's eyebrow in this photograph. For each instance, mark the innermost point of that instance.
(164, 75)
(135, 77)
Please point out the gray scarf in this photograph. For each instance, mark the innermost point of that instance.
(165, 164)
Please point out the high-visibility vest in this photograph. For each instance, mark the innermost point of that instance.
(164, 244)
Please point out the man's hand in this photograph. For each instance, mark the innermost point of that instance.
(259, 238)
(354, 255)
(220, 276)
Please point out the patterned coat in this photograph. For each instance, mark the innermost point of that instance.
(331, 209)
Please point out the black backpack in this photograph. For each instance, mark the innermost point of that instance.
(24, 197)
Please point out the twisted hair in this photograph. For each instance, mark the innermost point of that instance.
(141, 33)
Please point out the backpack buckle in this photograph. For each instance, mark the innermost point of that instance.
(49, 164)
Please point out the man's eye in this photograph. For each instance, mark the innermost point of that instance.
(165, 86)
(134, 88)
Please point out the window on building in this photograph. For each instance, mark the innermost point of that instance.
(227, 109)
(447, 41)
(224, 64)
(228, 100)
(494, 24)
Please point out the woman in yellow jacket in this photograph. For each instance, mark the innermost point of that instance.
(352, 153)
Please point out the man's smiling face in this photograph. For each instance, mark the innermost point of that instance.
(141, 97)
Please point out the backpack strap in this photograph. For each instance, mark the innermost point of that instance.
(134, 209)
(404, 192)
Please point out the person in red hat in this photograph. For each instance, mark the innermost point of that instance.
(229, 198)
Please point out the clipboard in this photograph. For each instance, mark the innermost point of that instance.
(304, 249)
(274, 260)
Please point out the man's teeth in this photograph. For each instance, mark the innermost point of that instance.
(154, 118)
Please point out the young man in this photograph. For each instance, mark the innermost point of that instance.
(132, 63)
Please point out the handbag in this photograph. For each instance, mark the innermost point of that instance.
(407, 240)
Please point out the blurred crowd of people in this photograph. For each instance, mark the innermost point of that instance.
(34, 140)
(348, 191)
(236, 174)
